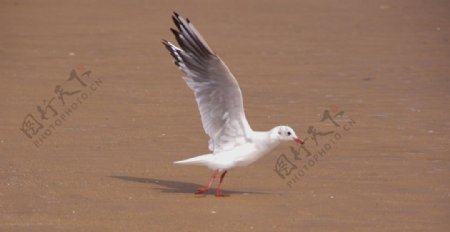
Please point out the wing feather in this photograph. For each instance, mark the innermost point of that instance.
(216, 90)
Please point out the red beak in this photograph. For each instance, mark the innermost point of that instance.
(299, 141)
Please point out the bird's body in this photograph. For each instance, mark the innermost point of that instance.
(232, 142)
(260, 144)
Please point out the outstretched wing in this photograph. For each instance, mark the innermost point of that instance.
(216, 90)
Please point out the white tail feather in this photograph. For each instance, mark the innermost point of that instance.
(198, 160)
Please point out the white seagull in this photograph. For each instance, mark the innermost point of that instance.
(232, 142)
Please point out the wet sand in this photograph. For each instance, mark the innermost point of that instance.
(106, 164)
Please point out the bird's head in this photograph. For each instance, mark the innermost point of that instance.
(285, 133)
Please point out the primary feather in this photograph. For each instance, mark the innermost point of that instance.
(216, 90)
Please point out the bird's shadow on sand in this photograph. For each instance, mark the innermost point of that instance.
(172, 186)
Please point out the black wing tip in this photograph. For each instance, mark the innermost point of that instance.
(174, 31)
(178, 16)
(187, 37)
(176, 55)
(167, 44)
(178, 20)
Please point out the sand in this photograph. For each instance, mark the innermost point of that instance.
(103, 161)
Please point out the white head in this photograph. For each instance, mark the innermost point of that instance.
(285, 133)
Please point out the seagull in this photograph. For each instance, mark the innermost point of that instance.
(231, 140)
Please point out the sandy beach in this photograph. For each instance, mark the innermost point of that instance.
(366, 82)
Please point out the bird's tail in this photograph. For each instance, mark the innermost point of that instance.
(198, 160)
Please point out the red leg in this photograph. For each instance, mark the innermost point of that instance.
(211, 180)
(219, 190)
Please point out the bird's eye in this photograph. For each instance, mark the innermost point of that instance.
(289, 133)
